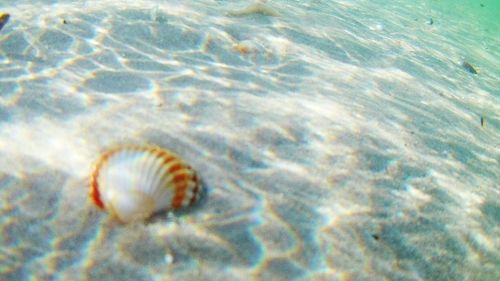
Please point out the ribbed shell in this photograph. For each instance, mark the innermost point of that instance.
(133, 181)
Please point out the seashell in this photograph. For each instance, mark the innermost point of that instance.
(134, 181)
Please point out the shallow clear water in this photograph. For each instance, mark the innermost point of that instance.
(337, 140)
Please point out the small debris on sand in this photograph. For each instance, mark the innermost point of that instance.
(469, 68)
(255, 9)
(241, 48)
(483, 121)
(4, 18)
(244, 47)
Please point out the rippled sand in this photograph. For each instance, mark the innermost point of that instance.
(337, 141)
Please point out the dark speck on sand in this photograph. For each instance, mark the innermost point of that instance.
(469, 68)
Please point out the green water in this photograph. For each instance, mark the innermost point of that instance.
(483, 13)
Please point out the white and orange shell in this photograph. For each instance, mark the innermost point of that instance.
(134, 181)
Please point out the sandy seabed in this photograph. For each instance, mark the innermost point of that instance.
(334, 143)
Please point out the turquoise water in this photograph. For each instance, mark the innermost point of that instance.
(337, 140)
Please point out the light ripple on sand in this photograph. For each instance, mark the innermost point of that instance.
(377, 138)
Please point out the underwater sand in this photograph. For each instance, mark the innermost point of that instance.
(337, 140)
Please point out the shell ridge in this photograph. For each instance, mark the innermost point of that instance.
(94, 183)
(170, 174)
(162, 159)
(176, 186)
(156, 172)
(127, 162)
(141, 171)
(104, 176)
(167, 191)
(145, 172)
(160, 192)
(182, 183)
(107, 176)
(137, 168)
(176, 168)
